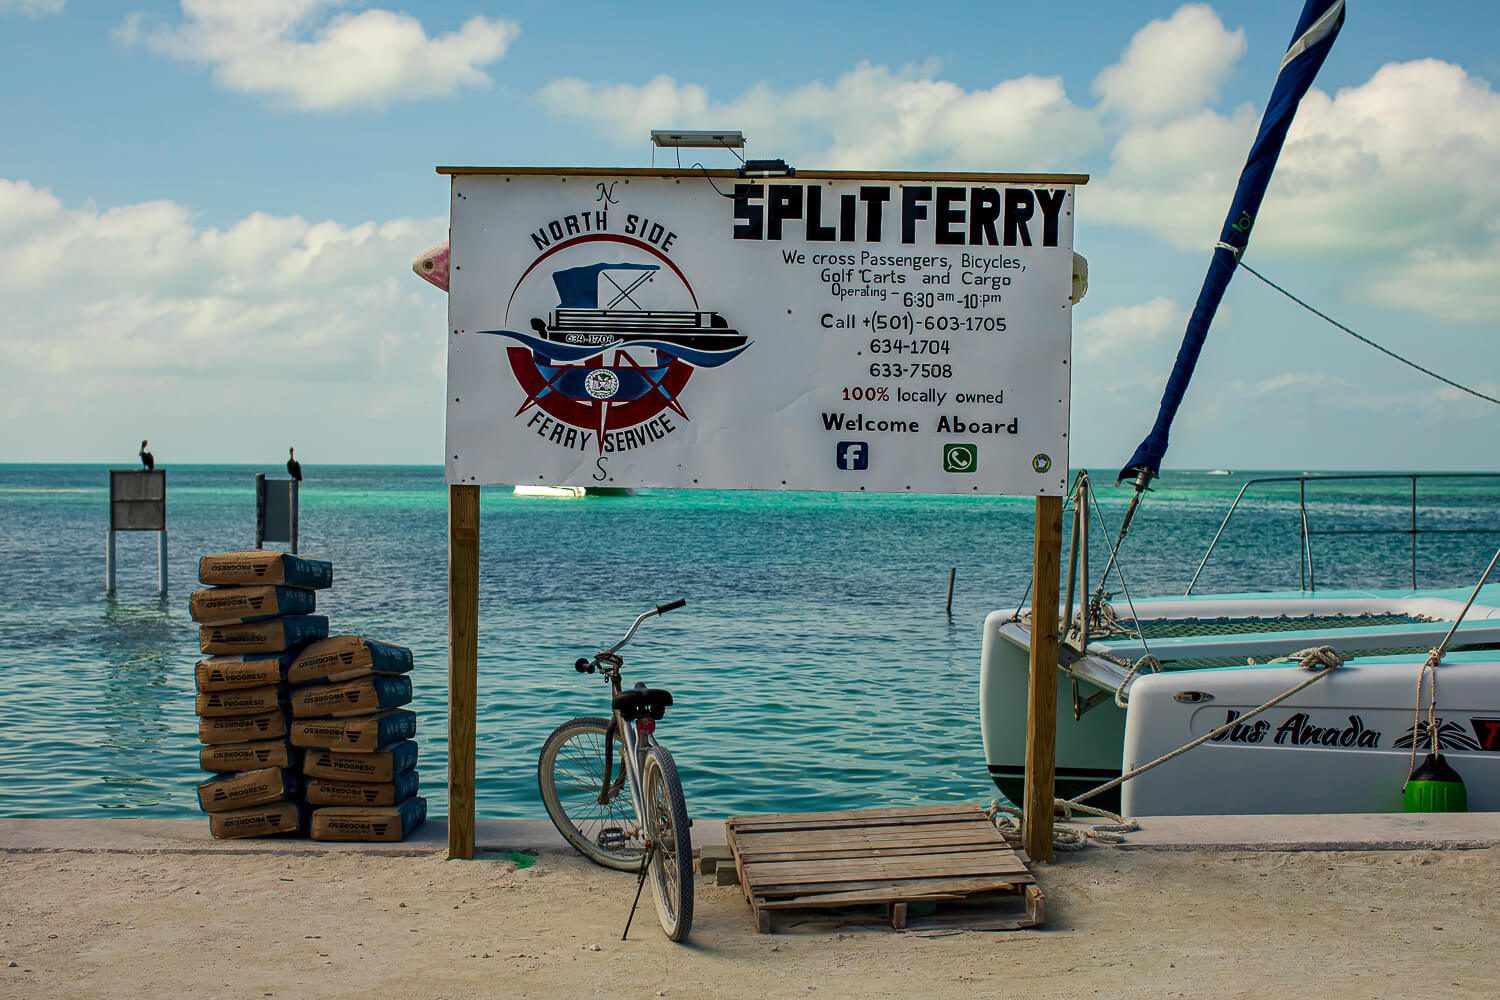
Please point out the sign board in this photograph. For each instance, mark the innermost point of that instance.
(827, 331)
(275, 511)
(137, 500)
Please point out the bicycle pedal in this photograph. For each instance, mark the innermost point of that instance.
(611, 838)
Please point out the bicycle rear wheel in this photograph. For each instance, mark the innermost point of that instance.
(667, 825)
(570, 775)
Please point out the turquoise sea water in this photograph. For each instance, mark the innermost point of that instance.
(813, 667)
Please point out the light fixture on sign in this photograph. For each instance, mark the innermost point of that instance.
(767, 168)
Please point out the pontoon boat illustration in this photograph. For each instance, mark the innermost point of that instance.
(579, 321)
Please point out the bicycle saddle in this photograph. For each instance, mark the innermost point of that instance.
(640, 702)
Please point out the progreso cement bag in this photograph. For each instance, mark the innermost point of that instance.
(235, 605)
(362, 697)
(362, 733)
(377, 766)
(388, 824)
(327, 792)
(345, 658)
(262, 637)
(263, 566)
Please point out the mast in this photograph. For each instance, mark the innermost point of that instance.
(1311, 41)
(1313, 38)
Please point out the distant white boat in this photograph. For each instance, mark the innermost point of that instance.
(572, 492)
(1221, 472)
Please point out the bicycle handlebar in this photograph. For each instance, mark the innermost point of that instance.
(586, 666)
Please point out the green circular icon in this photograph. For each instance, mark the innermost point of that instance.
(1041, 463)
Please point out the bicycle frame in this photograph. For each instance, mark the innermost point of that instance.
(635, 742)
(637, 738)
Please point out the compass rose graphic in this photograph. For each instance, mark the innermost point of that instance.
(604, 359)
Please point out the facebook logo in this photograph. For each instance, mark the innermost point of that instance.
(852, 456)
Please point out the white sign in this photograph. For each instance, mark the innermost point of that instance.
(819, 332)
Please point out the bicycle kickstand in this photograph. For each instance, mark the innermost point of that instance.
(640, 884)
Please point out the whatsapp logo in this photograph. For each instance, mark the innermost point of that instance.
(960, 458)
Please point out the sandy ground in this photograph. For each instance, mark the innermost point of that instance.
(1120, 923)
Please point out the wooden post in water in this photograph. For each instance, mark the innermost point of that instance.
(1041, 704)
(463, 664)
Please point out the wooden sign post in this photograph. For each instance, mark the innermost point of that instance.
(1041, 703)
(463, 664)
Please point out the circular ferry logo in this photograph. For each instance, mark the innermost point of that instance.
(615, 333)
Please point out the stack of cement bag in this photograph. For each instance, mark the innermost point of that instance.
(360, 759)
(254, 619)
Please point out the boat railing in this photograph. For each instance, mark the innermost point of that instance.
(644, 318)
(1307, 575)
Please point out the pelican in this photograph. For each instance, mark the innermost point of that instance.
(146, 458)
(293, 467)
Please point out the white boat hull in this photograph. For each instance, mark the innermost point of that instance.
(1342, 745)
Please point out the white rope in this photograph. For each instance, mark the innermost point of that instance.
(1007, 820)
(1429, 671)
(1145, 662)
(1323, 659)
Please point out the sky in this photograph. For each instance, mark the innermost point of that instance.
(208, 209)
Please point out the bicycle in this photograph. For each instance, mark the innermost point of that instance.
(633, 821)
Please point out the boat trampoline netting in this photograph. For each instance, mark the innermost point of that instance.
(1176, 628)
(1214, 662)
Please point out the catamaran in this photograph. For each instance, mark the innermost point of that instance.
(1276, 702)
(1142, 678)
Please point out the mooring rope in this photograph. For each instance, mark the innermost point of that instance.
(1429, 672)
(1321, 659)
(1146, 662)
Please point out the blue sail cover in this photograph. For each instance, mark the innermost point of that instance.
(1316, 30)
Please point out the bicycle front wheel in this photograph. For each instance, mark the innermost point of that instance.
(599, 824)
(667, 825)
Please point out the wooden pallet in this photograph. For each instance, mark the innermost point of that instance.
(949, 859)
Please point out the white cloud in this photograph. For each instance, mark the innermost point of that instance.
(1448, 283)
(1288, 381)
(31, 8)
(308, 55)
(1126, 330)
(139, 313)
(1396, 173)
(1171, 66)
(871, 115)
